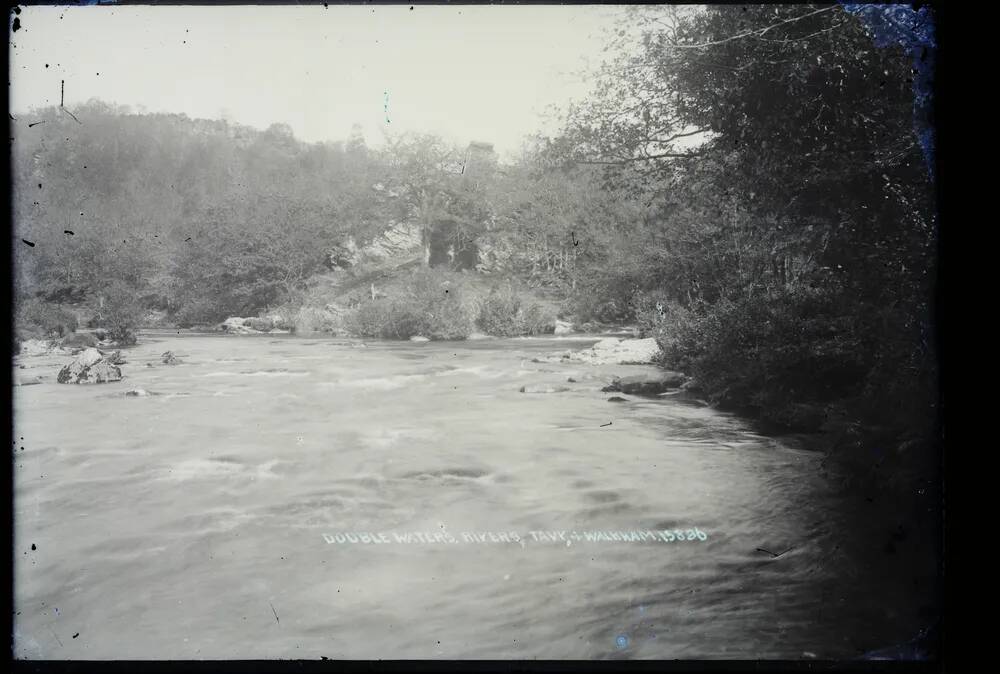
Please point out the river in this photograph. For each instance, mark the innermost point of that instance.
(194, 523)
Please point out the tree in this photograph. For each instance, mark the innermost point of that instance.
(778, 146)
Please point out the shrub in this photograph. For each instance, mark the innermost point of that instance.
(499, 313)
(120, 313)
(434, 303)
(312, 319)
(538, 320)
(503, 314)
(259, 324)
(79, 339)
(385, 318)
(35, 318)
(201, 311)
(768, 353)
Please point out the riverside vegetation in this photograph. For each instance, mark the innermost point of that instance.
(753, 188)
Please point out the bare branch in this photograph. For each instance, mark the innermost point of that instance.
(70, 114)
(756, 33)
(662, 155)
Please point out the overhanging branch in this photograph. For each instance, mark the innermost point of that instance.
(632, 160)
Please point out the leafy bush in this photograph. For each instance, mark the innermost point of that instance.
(385, 319)
(121, 312)
(538, 320)
(260, 324)
(503, 314)
(200, 311)
(35, 318)
(767, 353)
(499, 313)
(428, 302)
(311, 319)
(79, 339)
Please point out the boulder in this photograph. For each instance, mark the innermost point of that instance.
(617, 399)
(419, 338)
(237, 326)
(90, 367)
(115, 358)
(563, 328)
(41, 347)
(169, 358)
(646, 384)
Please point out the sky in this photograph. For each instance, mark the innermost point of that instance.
(484, 73)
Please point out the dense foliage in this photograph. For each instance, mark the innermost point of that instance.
(792, 253)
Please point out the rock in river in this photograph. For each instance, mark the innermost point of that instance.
(646, 384)
(90, 367)
(41, 347)
(563, 328)
(611, 351)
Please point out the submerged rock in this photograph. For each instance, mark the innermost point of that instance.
(419, 338)
(138, 393)
(90, 367)
(646, 384)
(617, 399)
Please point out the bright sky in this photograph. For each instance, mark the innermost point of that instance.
(466, 72)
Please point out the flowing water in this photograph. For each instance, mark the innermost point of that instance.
(195, 522)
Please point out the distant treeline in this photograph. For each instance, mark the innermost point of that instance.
(206, 219)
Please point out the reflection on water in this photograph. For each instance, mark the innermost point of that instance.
(189, 524)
